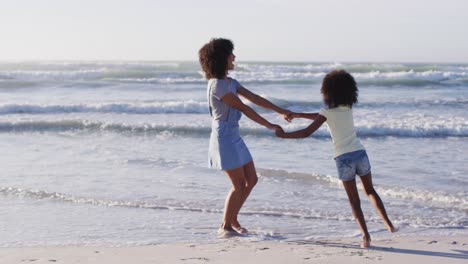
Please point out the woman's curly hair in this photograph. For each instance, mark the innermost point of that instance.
(213, 57)
(339, 88)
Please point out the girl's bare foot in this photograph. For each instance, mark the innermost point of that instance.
(393, 229)
(365, 242)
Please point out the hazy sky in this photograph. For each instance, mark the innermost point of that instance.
(286, 30)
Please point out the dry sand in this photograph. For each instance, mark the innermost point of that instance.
(399, 250)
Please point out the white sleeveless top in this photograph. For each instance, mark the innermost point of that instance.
(341, 126)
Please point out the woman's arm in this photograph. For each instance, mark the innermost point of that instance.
(260, 101)
(234, 101)
(303, 133)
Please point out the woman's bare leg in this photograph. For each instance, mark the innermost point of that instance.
(234, 198)
(251, 180)
(376, 201)
(355, 202)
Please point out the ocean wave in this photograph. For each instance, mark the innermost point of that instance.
(177, 72)
(287, 67)
(189, 106)
(163, 80)
(365, 74)
(200, 107)
(42, 75)
(400, 103)
(407, 78)
(104, 74)
(280, 212)
(351, 67)
(403, 129)
(62, 197)
(445, 200)
(97, 126)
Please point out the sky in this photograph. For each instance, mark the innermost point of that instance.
(262, 30)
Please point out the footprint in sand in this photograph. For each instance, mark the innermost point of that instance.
(189, 259)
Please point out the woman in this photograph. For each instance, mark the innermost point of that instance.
(227, 150)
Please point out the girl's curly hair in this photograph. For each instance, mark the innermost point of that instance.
(339, 88)
(213, 57)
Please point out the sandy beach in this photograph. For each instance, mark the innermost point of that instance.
(384, 250)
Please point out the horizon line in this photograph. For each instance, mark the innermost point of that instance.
(242, 61)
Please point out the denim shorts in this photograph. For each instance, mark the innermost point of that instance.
(352, 163)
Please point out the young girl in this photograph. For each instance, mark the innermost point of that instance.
(340, 92)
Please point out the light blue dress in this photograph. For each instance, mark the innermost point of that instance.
(227, 150)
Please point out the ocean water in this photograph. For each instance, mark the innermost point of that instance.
(115, 153)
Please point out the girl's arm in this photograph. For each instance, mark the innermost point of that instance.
(260, 101)
(304, 115)
(234, 101)
(303, 133)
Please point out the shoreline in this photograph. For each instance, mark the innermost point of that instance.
(414, 249)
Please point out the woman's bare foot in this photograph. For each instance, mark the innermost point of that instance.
(365, 242)
(239, 229)
(227, 231)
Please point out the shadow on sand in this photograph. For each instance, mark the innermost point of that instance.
(461, 254)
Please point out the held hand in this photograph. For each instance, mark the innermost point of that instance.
(274, 127)
(291, 116)
(287, 115)
(280, 133)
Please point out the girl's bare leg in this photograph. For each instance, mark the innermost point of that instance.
(355, 202)
(376, 201)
